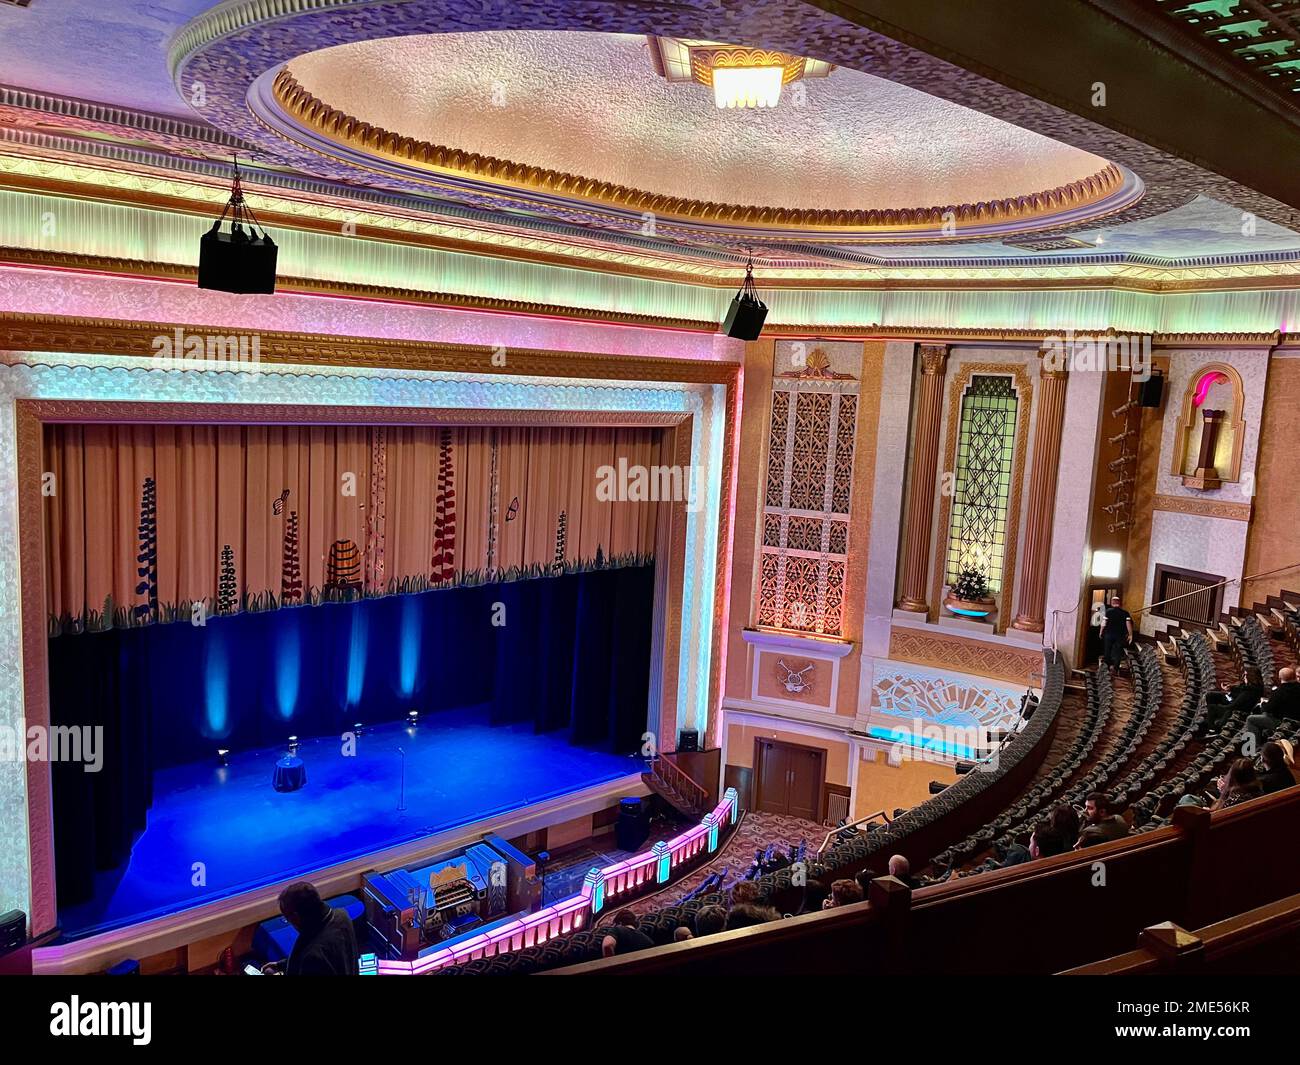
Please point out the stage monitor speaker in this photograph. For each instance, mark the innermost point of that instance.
(236, 262)
(745, 317)
(688, 740)
(1152, 391)
(128, 967)
(632, 828)
(13, 930)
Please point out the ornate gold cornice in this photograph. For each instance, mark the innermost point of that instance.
(102, 336)
(312, 112)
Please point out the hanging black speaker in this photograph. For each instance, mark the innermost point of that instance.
(747, 313)
(243, 260)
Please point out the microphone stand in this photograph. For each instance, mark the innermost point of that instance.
(401, 801)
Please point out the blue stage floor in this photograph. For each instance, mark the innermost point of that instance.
(458, 770)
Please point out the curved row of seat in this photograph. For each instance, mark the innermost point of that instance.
(845, 858)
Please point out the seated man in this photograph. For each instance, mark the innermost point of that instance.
(1276, 774)
(1281, 704)
(901, 868)
(1100, 825)
(623, 936)
(1243, 697)
(843, 893)
(326, 944)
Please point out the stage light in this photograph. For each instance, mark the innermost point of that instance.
(747, 313)
(413, 718)
(239, 261)
(223, 756)
(293, 744)
(357, 729)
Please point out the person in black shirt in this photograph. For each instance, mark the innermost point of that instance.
(326, 944)
(1276, 774)
(1116, 633)
(623, 936)
(1240, 698)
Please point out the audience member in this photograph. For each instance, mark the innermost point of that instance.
(326, 943)
(864, 879)
(901, 868)
(1045, 840)
(682, 934)
(623, 936)
(1065, 823)
(1277, 773)
(746, 915)
(710, 919)
(1100, 825)
(843, 893)
(745, 891)
(1281, 704)
(1243, 697)
(1239, 784)
(815, 894)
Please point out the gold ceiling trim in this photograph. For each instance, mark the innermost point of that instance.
(105, 336)
(343, 128)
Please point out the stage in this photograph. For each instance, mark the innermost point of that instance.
(214, 832)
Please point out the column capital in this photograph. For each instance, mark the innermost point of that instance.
(934, 359)
(1051, 363)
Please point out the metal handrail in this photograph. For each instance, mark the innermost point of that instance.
(852, 824)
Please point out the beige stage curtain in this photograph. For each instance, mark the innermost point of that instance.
(372, 494)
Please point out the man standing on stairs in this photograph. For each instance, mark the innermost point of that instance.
(1116, 633)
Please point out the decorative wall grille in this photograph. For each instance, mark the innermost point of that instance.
(807, 498)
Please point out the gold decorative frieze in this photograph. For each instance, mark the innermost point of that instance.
(102, 336)
(978, 657)
(1205, 508)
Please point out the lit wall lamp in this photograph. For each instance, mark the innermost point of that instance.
(1106, 564)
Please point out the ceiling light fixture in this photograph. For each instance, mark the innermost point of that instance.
(747, 86)
(740, 76)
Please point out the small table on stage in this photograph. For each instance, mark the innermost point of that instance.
(290, 773)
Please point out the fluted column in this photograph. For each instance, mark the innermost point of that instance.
(1037, 550)
(925, 473)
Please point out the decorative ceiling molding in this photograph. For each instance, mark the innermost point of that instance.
(42, 332)
(229, 51)
(1096, 194)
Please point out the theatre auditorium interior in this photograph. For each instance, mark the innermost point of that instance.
(619, 488)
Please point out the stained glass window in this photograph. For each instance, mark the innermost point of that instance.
(982, 488)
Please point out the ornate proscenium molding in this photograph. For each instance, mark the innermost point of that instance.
(339, 127)
(102, 336)
(1205, 508)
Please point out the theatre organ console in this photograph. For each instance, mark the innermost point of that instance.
(411, 910)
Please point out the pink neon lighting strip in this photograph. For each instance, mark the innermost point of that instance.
(536, 928)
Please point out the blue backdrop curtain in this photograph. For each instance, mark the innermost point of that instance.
(569, 652)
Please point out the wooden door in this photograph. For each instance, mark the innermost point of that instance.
(789, 779)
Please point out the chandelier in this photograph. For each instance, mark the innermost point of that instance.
(739, 76)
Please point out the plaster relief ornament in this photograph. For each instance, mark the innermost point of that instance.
(795, 682)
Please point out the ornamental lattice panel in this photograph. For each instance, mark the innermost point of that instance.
(807, 497)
